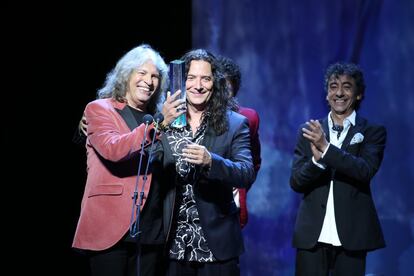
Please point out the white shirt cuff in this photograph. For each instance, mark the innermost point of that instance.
(324, 152)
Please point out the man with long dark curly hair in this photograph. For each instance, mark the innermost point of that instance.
(202, 162)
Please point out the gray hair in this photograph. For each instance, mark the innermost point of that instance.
(116, 82)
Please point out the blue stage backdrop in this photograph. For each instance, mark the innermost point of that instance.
(283, 48)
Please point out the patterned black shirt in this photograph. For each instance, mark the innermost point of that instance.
(188, 243)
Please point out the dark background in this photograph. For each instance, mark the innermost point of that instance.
(283, 48)
(57, 56)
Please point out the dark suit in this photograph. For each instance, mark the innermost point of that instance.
(231, 167)
(352, 167)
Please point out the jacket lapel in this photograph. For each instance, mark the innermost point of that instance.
(325, 127)
(128, 117)
(208, 138)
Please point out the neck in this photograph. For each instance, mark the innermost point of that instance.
(194, 117)
(338, 119)
(194, 113)
(139, 107)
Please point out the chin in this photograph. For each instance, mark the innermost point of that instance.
(198, 102)
(343, 111)
(145, 98)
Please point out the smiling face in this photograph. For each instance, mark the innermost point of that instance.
(142, 84)
(342, 95)
(199, 84)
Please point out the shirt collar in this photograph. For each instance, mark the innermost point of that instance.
(348, 120)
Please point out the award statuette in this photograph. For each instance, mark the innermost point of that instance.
(177, 82)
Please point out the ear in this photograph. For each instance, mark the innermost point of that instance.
(358, 97)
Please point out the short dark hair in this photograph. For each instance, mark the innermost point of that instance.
(231, 72)
(350, 69)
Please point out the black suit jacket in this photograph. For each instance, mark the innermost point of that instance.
(351, 167)
(232, 166)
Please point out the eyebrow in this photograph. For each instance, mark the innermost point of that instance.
(336, 82)
(202, 76)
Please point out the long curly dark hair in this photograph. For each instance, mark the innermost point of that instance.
(219, 102)
(231, 71)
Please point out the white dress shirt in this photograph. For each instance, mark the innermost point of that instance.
(329, 232)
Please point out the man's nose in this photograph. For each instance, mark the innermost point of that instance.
(339, 92)
(198, 85)
(147, 78)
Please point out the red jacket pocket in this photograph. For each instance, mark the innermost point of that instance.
(112, 189)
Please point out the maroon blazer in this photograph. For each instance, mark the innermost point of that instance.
(112, 158)
(254, 121)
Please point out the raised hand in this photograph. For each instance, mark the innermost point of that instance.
(173, 107)
(315, 134)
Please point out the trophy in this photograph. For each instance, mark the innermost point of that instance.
(177, 82)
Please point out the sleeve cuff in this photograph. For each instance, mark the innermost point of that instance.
(322, 166)
(324, 152)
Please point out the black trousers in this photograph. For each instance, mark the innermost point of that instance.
(325, 259)
(121, 260)
(219, 268)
